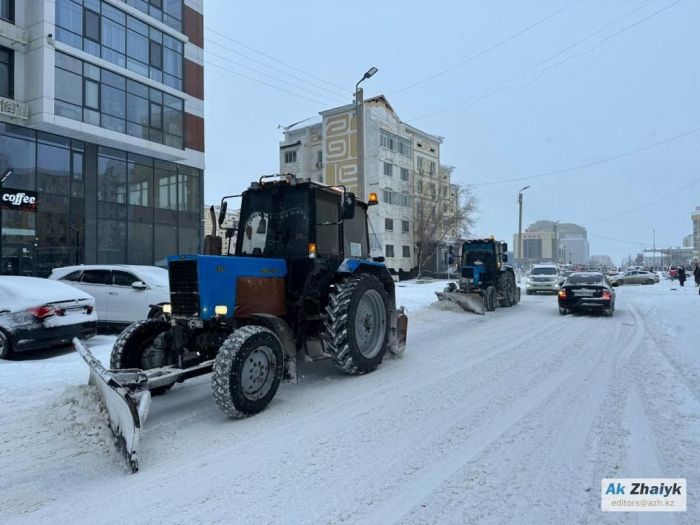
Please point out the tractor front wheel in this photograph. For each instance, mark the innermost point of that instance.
(491, 298)
(247, 371)
(357, 324)
(134, 348)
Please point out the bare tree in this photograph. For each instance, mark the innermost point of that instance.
(441, 213)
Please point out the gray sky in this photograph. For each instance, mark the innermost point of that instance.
(598, 79)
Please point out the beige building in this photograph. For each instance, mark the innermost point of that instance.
(399, 160)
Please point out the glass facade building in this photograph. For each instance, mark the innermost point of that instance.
(94, 205)
(115, 174)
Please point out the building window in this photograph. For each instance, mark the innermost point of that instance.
(404, 173)
(388, 169)
(405, 226)
(109, 33)
(389, 225)
(389, 250)
(395, 143)
(167, 11)
(7, 73)
(290, 156)
(96, 96)
(7, 10)
(406, 251)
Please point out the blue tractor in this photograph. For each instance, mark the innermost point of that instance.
(486, 280)
(300, 281)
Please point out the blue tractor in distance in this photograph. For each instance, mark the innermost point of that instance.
(486, 280)
(300, 281)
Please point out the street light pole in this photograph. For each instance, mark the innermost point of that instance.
(555, 251)
(519, 255)
(360, 116)
(654, 230)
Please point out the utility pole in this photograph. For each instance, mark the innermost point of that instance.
(555, 251)
(654, 230)
(519, 254)
(360, 116)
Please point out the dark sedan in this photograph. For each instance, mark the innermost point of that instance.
(587, 291)
(38, 313)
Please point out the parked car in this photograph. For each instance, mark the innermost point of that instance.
(635, 277)
(587, 291)
(123, 293)
(38, 313)
(543, 278)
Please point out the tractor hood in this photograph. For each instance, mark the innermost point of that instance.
(243, 285)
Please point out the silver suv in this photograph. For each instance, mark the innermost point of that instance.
(543, 278)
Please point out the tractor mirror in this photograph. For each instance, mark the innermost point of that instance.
(348, 206)
(505, 258)
(222, 212)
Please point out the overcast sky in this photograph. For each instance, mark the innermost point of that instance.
(520, 88)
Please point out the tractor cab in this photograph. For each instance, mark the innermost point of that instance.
(482, 257)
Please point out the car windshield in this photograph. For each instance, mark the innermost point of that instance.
(543, 271)
(585, 279)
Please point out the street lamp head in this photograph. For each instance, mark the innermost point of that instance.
(6, 174)
(370, 72)
(523, 189)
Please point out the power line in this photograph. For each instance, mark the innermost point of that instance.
(487, 50)
(264, 83)
(248, 57)
(595, 162)
(271, 76)
(655, 201)
(273, 58)
(499, 85)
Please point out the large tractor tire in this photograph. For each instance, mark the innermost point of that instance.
(5, 346)
(490, 298)
(247, 371)
(506, 287)
(134, 349)
(357, 324)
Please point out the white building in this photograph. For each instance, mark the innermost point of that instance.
(695, 216)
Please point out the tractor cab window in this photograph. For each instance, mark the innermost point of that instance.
(474, 257)
(355, 234)
(275, 223)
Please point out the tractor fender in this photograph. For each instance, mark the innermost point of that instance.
(352, 266)
(281, 329)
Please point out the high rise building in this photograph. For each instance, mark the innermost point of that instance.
(695, 216)
(102, 121)
(564, 243)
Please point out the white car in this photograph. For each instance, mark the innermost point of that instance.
(123, 293)
(543, 278)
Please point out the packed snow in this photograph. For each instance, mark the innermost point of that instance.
(510, 417)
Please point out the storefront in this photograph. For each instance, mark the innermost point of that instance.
(72, 202)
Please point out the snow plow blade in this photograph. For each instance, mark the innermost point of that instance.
(127, 408)
(471, 302)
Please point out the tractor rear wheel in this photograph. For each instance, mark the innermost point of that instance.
(491, 298)
(506, 287)
(247, 371)
(357, 324)
(134, 349)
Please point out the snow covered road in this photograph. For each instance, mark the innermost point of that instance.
(511, 417)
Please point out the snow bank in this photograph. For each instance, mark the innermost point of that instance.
(417, 295)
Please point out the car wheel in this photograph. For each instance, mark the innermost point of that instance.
(650, 281)
(563, 311)
(5, 346)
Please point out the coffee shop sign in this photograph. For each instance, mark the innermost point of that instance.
(14, 109)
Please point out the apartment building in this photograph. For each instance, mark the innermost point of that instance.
(102, 125)
(398, 159)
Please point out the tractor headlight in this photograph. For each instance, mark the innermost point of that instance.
(221, 309)
(167, 308)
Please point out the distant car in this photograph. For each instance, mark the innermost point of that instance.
(38, 313)
(123, 293)
(543, 278)
(635, 277)
(587, 291)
